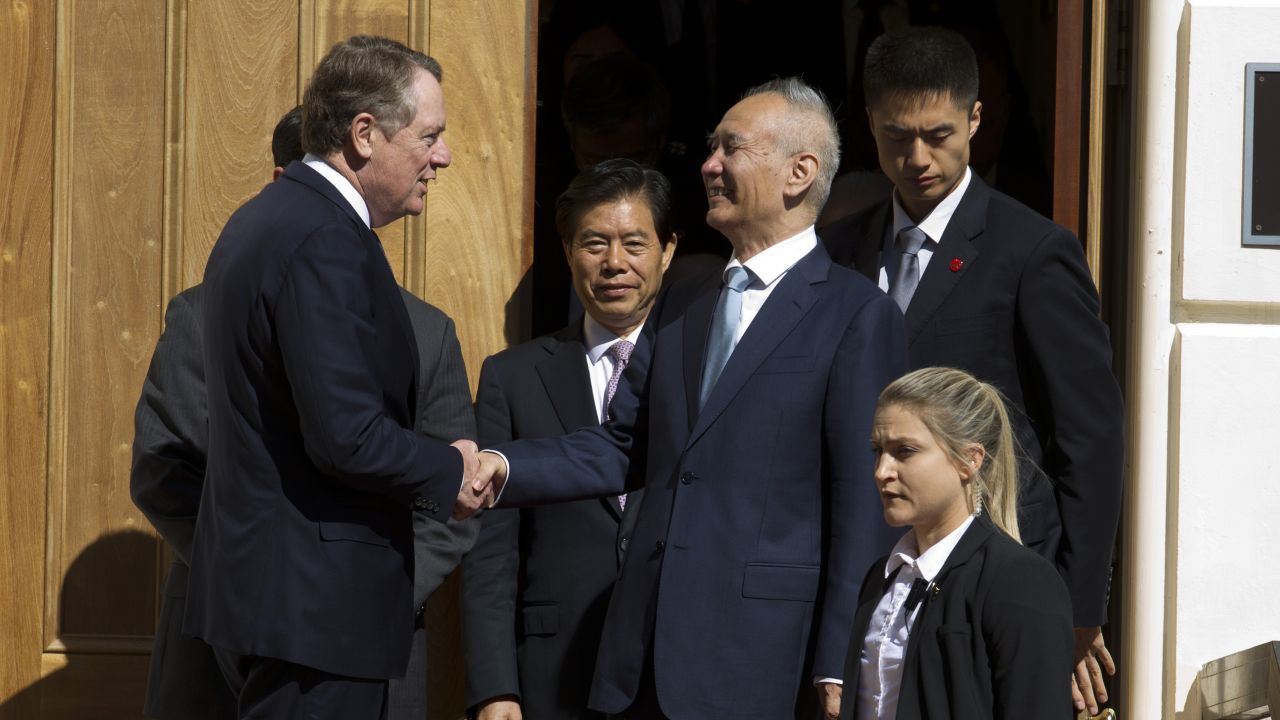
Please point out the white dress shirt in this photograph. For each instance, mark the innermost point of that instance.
(598, 340)
(769, 266)
(885, 648)
(933, 225)
(343, 185)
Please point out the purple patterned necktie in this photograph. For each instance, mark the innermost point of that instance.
(620, 351)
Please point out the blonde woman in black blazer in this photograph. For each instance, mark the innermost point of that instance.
(960, 621)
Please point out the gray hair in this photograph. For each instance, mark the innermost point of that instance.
(362, 74)
(813, 129)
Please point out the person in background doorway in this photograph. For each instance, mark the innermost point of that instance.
(992, 288)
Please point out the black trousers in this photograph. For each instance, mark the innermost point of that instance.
(271, 689)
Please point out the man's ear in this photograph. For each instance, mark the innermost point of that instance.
(975, 118)
(803, 173)
(360, 134)
(669, 251)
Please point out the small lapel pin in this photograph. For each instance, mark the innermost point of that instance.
(937, 589)
(956, 264)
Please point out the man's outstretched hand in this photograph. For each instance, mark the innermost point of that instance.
(483, 475)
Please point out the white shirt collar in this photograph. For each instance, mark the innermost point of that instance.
(600, 338)
(930, 563)
(343, 185)
(774, 261)
(935, 224)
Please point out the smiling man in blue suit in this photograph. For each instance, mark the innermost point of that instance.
(746, 416)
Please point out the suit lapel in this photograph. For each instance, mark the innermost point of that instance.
(697, 323)
(564, 377)
(953, 258)
(786, 307)
(976, 536)
(866, 259)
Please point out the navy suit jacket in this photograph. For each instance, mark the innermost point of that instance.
(760, 511)
(170, 448)
(303, 547)
(993, 641)
(1008, 297)
(537, 584)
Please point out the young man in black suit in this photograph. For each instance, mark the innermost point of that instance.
(302, 566)
(537, 584)
(990, 287)
(170, 454)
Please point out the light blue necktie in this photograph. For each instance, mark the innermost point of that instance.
(720, 342)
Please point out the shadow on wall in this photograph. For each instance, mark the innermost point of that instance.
(108, 593)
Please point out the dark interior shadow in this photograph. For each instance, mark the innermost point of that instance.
(107, 610)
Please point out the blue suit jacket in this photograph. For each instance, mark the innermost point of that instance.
(302, 549)
(760, 511)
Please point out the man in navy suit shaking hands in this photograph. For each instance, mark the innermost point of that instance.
(302, 566)
(745, 414)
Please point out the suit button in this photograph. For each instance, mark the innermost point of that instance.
(659, 545)
(687, 478)
(420, 503)
(623, 543)
(432, 506)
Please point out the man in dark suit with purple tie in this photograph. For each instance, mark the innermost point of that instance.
(536, 586)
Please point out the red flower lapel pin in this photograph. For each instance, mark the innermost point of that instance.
(956, 264)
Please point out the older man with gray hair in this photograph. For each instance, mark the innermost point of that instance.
(746, 414)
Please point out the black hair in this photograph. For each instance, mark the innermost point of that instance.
(921, 62)
(611, 181)
(286, 139)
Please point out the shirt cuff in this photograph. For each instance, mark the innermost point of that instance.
(507, 464)
(825, 680)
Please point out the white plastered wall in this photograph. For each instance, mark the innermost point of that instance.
(1202, 556)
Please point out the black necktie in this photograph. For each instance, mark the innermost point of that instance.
(916, 594)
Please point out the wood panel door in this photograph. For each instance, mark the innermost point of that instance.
(130, 130)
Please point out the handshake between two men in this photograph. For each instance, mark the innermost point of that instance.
(483, 476)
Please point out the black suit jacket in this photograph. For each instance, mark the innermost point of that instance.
(170, 447)
(759, 509)
(444, 413)
(993, 641)
(537, 584)
(303, 541)
(1008, 297)
(170, 444)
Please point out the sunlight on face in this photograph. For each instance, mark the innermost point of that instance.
(920, 483)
